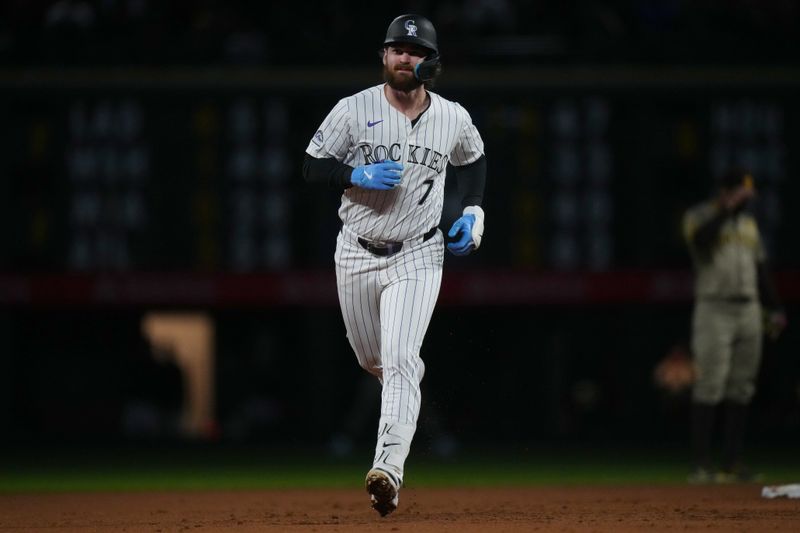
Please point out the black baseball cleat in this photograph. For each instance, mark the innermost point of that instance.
(384, 491)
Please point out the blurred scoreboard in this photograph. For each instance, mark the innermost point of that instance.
(158, 180)
(191, 171)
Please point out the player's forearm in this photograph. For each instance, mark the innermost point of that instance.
(471, 181)
(327, 170)
(707, 234)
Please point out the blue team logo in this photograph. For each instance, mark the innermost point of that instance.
(411, 28)
(317, 139)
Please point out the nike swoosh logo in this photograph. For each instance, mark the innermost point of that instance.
(370, 123)
(387, 444)
(368, 175)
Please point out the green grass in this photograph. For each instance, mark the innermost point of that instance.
(211, 469)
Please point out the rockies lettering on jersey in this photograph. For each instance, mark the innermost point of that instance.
(364, 128)
(382, 153)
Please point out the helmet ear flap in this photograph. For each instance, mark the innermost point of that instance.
(428, 69)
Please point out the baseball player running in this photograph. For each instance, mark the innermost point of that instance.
(387, 148)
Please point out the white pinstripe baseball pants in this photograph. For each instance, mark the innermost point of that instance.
(387, 304)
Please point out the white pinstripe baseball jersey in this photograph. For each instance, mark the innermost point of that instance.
(365, 128)
(387, 299)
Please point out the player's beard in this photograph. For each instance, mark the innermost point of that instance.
(401, 82)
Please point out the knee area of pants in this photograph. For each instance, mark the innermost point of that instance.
(407, 371)
(708, 394)
(740, 395)
(402, 360)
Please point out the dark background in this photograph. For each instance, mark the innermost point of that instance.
(150, 158)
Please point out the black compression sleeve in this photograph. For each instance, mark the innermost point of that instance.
(327, 170)
(471, 181)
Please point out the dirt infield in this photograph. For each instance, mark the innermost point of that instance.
(618, 509)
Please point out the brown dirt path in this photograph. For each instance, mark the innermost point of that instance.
(602, 509)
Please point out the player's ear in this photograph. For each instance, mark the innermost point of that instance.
(382, 54)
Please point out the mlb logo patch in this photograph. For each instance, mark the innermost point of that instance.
(317, 139)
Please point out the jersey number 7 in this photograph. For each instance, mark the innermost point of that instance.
(425, 196)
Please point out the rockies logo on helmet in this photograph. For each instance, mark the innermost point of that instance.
(413, 29)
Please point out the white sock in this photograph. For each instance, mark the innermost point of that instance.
(394, 443)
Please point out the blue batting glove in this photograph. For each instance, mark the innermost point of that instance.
(380, 176)
(464, 244)
(468, 229)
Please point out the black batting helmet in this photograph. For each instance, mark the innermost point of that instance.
(416, 29)
(413, 29)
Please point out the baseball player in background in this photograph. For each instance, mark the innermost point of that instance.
(387, 149)
(734, 299)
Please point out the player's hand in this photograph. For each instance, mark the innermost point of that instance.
(737, 197)
(468, 230)
(774, 324)
(380, 176)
